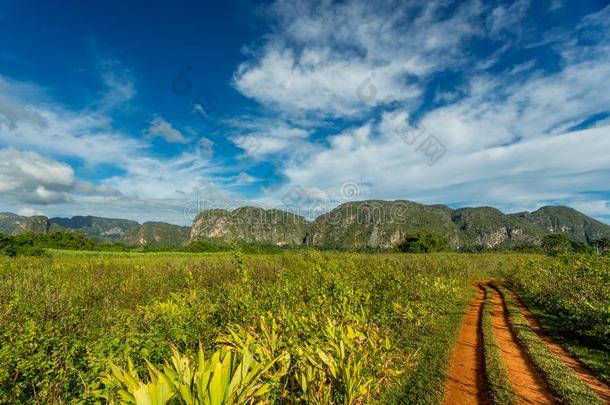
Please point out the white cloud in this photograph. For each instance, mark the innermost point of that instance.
(163, 129)
(206, 148)
(262, 138)
(244, 178)
(506, 18)
(540, 169)
(43, 196)
(28, 170)
(508, 138)
(120, 86)
(333, 59)
(28, 123)
(31, 178)
(41, 134)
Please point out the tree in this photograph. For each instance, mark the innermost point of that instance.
(602, 244)
(422, 242)
(556, 243)
(7, 246)
(580, 247)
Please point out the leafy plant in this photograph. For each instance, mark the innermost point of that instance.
(226, 378)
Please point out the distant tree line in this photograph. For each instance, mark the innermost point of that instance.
(421, 241)
(35, 244)
(552, 244)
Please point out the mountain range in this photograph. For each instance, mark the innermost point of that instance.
(374, 224)
(105, 230)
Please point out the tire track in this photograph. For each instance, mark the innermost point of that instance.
(528, 384)
(466, 382)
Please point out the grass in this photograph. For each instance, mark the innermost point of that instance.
(65, 252)
(425, 385)
(500, 387)
(570, 297)
(562, 381)
(596, 359)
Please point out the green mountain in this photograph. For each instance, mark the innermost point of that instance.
(251, 224)
(97, 228)
(15, 224)
(374, 224)
(565, 219)
(489, 227)
(106, 230)
(157, 234)
(380, 224)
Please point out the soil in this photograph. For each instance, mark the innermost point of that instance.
(527, 382)
(466, 381)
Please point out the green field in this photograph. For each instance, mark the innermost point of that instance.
(308, 327)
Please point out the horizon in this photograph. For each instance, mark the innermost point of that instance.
(300, 104)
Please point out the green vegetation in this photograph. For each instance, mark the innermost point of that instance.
(562, 381)
(560, 243)
(571, 297)
(500, 387)
(373, 225)
(344, 328)
(423, 242)
(35, 244)
(425, 384)
(301, 326)
(602, 245)
(220, 245)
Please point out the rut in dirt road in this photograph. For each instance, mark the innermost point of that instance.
(466, 381)
(527, 382)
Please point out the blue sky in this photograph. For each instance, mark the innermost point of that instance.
(156, 111)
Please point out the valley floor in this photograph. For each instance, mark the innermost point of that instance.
(307, 327)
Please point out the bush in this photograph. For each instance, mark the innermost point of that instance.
(423, 242)
(602, 244)
(17, 245)
(557, 243)
(560, 243)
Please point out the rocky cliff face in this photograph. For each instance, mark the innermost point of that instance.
(251, 224)
(488, 227)
(100, 229)
(15, 224)
(565, 219)
(383, 224)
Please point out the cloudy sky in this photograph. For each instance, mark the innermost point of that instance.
(154, 112)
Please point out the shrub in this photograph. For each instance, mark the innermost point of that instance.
(423, 242)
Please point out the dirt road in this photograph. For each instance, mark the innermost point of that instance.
(466, 383)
